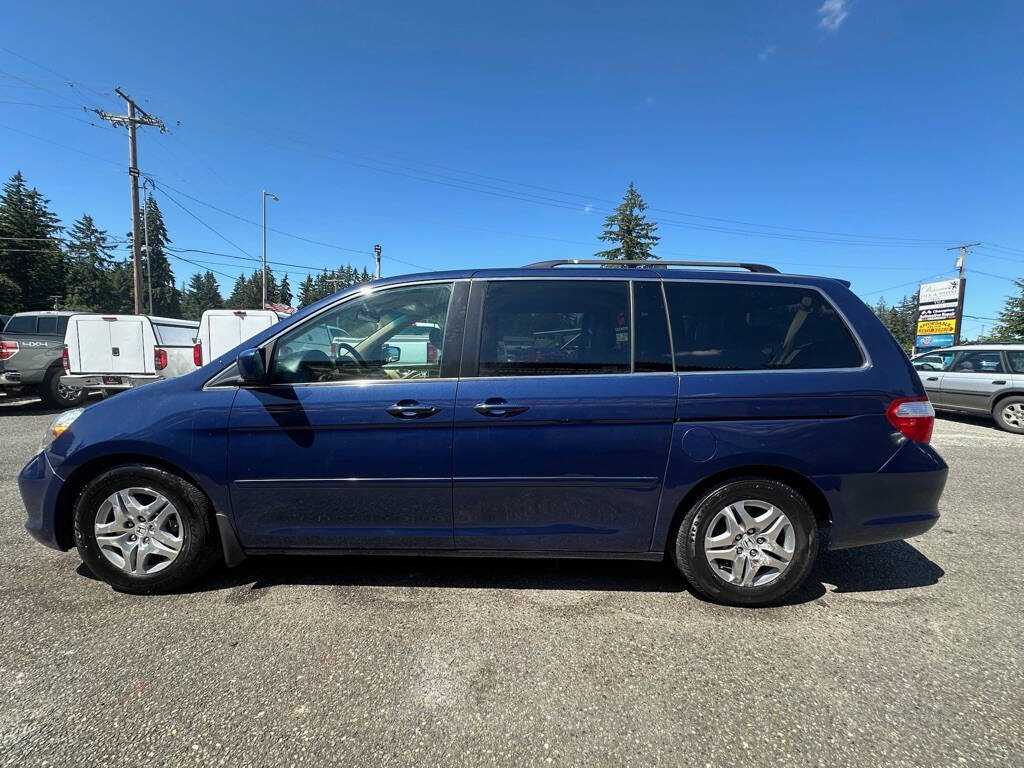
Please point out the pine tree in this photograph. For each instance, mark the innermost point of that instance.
(900, 319)
(629, 227)
(90, 268)
(284, 291)
(365, 277)
(166, 296)
(1010, 327)
(237, 298)
(307, 291)
(30, 256)
(201, 294)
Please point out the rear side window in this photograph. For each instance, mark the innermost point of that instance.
(978, 361)
(47, 324)
(1016, 358)
(745, 326)
(175, 335)
(555, 327)
(22, 324)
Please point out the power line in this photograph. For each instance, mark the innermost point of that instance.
(63, 146)
(164, 192)
(903, 285)
(292, 235)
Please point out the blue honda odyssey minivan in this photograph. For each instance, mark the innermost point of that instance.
(731, 418)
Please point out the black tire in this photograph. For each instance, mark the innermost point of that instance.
(57, 395)
(199, 550)
(1005, 419)
(694, 565)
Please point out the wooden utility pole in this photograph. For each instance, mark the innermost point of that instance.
(961, 284)
(136, 116)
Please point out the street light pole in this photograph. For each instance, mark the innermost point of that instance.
(264, 199)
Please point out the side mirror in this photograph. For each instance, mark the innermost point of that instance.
(392, 354)
(251, 368)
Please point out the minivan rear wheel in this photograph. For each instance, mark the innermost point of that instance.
(1009, 414)
(748, 541)
(144, 530)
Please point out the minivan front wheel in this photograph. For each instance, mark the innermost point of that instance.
(749, 541)
(144, 530)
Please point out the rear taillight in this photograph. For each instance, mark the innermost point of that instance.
(160, 358)
(8, 349)
(913, 417)
(431, 353)
(65, 359)
(197, 354)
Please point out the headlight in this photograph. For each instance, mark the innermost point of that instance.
(60, 424)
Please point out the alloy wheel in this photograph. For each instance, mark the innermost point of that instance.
(139, 531)
(749, 543)
(68, 394)
(1013, 414)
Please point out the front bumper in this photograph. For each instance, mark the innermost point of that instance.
(40, 486)
(107, 381)
(898, 502)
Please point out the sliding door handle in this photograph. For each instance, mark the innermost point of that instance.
(497, 406)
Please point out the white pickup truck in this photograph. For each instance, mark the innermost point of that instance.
(114, 352)
(224, 329)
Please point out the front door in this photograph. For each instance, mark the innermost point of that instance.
(349, 447)
(559, 445)
(974, 377)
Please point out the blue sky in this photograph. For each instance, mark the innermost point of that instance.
(856, 138)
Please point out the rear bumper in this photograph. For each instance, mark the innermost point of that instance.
(10, 379)
(899, 502)
(98, 381)
(39, 486)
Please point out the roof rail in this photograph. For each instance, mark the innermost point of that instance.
(751, 267)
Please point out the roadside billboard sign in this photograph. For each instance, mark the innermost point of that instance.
(939, 309)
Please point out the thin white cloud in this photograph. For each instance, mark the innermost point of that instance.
(588, 208)
(833, 13)
(769, 50)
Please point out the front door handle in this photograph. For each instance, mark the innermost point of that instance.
(933, 378)
(497, 406)
(412, 409)
(999, 381)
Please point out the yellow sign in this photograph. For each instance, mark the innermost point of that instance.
(929, 327)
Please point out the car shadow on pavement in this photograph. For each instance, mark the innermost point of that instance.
(891, 566)
(980, 420)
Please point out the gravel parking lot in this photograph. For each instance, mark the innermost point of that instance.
(897, 654)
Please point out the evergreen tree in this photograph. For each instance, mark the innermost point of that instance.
(306, 292)
(284, 291)
(237, 298)
(166, 296)
(201, 294)
(122, 288)
(1010, 327)
(30, 256)
(630, 229)
(90, 267)
(900, 319)
(365, 277)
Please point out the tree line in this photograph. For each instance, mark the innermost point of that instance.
(44, 265)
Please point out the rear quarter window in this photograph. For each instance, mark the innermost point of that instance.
(749, 326)
(175, 335)
(22, 324)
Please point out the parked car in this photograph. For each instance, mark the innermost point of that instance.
(30, 358)
(979, 379)
(117, 352)
(224, 329)
(735, 422)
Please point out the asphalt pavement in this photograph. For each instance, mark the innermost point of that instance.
(898, 654)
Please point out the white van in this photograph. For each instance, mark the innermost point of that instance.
(112, 352)
(224, 329)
